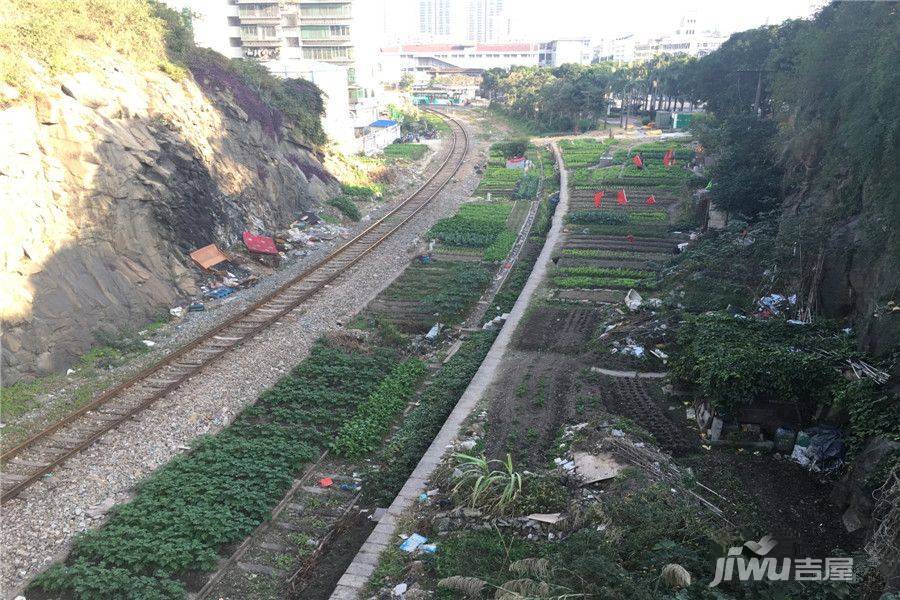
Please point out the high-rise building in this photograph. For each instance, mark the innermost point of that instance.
(435, 18)
(487, 21)
(462, 21)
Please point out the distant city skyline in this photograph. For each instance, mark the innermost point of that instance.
(533, 20)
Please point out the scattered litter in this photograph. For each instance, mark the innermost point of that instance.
(633, 300)
(350, 487)
(423, 497)
(433, 332)
(399, 590)
(412, 543)
(774, 303)
(691, 414)
(796, 322)
(326, 482)
(70, 371)
(468, 444)
(220, 292)
(260, 244)
(208, 256)
(550, 518)
(824, 450)
(633, 350)
(428, 548)
(148, 343)
(177, 312)
(618, 433)
(659, 354)
(196, 307)
(593, 468)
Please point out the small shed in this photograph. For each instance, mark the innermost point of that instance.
(380, 135)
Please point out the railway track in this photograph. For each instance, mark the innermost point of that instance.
(37, 456)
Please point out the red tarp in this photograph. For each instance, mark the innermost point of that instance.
(259, 243)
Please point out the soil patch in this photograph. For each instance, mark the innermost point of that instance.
(552, 329)
(528, 405)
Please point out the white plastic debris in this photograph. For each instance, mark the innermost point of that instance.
(399, 590)
(633, 300)
(177, 312)
(149, 343)
(433, 332)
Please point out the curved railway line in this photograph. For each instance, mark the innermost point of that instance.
(28, 462)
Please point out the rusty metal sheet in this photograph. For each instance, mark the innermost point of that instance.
(208, 256)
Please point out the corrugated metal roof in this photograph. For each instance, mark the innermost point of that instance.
(383, 123)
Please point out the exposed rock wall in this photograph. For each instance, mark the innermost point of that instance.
(107, 179)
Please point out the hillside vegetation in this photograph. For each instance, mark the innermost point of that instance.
(58, 37)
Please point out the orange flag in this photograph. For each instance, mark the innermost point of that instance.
(598, 199)
(621, 198)
(651, 200)
(630, 239)
(636, 159)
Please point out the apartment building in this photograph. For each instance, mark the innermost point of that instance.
(312, 39)
(569, 51)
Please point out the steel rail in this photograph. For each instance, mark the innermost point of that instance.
(283, 300)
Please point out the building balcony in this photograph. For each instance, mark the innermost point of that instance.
(260, 19)
(325, 20)
(343, 40)
(257, 42)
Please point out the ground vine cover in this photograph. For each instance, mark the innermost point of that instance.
(220, 491)
(405, 151)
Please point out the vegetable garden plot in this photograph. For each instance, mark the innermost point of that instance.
(187, 511)
(651, 175)
(584, 152)
(442, 291)
(656, 151)
(552, 329)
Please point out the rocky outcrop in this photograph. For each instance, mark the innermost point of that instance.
(107, 179)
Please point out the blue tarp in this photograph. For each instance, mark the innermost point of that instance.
(383, 123)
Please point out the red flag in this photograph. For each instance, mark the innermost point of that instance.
(598, 199)
(636, 159)
(669, 158)
(630, 239)
(651, 200)
(621, 198)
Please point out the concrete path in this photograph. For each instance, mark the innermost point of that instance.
(357, 575)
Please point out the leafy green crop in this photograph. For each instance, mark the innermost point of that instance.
(220, 491)
(404, 449)
(364, 431)
(475, 224)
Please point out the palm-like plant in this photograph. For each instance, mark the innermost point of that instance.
(485, 486)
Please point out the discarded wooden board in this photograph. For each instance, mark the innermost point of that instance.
(595, 467)
(208, 256)
(549, 518)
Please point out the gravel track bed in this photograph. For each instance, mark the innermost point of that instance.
(38, 527)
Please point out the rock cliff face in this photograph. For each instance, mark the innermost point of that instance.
(107, 179)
